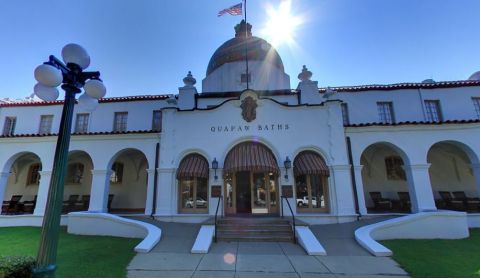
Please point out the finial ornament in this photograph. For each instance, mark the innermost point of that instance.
(189, 80)
(305, 75)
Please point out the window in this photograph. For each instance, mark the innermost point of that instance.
(45, 124)
(191, 189)
(394, 168)
(117, 174)
(120, 121)
(9, 126)
(432, 108)
(243, 78)
(81, 123)
(157, 120)
(75, 173)
(385, 112)
(33, 176)
(311, 191)
(346, 119)
(476, 103)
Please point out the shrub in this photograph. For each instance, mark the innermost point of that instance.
(16, 266)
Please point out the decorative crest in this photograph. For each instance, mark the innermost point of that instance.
(249, 106)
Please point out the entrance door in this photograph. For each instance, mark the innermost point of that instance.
(251, 193)
(242, 191)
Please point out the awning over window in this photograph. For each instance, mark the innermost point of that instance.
(310, 163)
(250, 156)
(193, 166)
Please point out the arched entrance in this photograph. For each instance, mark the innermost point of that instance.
(127, 192)
(385, 182)
(21, 188)
(250, 175)
(78, 182)
(453, 178)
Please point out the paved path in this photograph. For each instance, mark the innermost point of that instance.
(172, 258)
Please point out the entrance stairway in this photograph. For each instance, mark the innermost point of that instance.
(254, 229)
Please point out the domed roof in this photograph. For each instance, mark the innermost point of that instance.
(234, 50)
(475, 76)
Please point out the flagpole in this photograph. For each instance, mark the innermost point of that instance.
(246, 42)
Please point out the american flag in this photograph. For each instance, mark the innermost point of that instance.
(233, 10)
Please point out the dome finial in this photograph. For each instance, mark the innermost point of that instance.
(189, 80)
(305, 75)
(240, 29)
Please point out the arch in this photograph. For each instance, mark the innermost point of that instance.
(128, 195)
(397, 149)
(192, 176)
(193, 165)
(311, 182)
(245, 139)
(8, 164)
(23, 181)
(314, 149)
(188, 152)
(125, 151)
(250, 156)
(308, 163)
(387, 185)
(454, 176)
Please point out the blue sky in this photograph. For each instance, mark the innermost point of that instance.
(148, 46)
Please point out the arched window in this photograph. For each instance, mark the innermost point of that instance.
(33, 176)
(117, 173)
(192, 176)
(75, 173)
(311, 182)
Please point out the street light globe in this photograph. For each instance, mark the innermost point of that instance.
(48, 75)
(45, 93)
(87, 103)
(95, 88)
(74, 53)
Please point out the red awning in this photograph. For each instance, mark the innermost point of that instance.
(193, 166)
(310, 163)
(250, 156)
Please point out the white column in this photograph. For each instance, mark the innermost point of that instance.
(421, 193)
(99, 191)
(360, 192)
(476, 175)
(3, 185)
(166, 197)
(42, 194)
(343, 189)
(150, 189)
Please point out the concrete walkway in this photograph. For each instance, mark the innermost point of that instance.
(172, 258)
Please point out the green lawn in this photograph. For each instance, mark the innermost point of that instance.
(78, 256)
(439, 258)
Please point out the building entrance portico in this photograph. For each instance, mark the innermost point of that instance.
(251, 186)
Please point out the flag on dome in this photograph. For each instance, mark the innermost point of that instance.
(233, 10)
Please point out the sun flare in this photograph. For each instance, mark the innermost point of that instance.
(281, 24)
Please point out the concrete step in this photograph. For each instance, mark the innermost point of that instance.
(254, 238)
(254, 229)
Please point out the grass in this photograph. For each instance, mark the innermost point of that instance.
(78, 256)
(438, 258)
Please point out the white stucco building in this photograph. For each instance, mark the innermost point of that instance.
(347, 146)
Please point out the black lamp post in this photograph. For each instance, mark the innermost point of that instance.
(288, 164)
(215, 167)
(72, 78)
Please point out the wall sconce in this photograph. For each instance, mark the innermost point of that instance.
(288, 164)
(215, 167)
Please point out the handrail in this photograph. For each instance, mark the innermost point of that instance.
(216, 213)
(293, 216)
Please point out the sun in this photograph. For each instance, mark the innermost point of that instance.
(281, 24)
